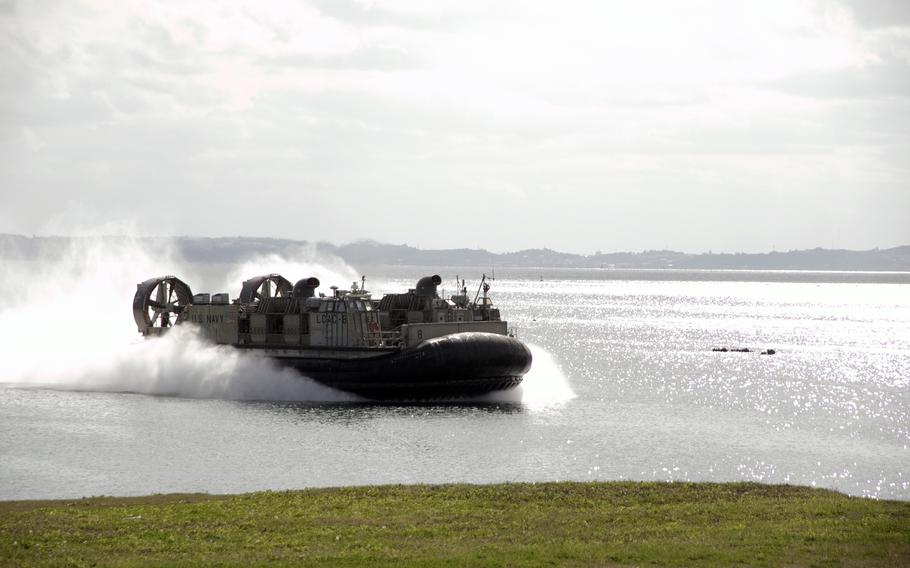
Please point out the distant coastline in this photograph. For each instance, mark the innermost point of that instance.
(233, 249)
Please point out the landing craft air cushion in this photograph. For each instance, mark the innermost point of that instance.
(414, 345)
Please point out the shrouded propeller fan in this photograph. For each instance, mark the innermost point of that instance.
(158, 302)
(266, 286)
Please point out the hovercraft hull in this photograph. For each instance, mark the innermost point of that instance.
(459, 364)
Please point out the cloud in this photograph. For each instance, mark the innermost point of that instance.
(363, 58)
(419, 16)
(188, 116)
(880, 13)
(874, 81)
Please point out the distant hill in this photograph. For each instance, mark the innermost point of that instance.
(360, 253)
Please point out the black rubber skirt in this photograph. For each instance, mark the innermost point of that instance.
(460, 364)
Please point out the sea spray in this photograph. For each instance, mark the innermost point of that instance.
(68, 325)
(186, 365)
(301, 263)
(544, 386)
(61, 315)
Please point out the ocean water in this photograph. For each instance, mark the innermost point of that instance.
(625, 385)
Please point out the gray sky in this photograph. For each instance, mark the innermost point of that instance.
(579, 126)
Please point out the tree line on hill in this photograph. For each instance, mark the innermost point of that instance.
(367, 252)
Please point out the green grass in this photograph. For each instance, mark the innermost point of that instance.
(564, 524)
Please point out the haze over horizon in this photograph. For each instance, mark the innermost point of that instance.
(691, 126)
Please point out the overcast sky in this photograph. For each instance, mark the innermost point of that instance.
(579, 126)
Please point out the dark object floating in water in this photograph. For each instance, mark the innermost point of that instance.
(414, 345)
(742, 350)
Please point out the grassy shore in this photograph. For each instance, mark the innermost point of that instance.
(566, 524)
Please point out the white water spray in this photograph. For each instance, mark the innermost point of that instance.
(69, 326)
(184, 364)
(331, 271)
(545, 385)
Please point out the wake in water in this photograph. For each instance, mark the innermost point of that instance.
(72, 329)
